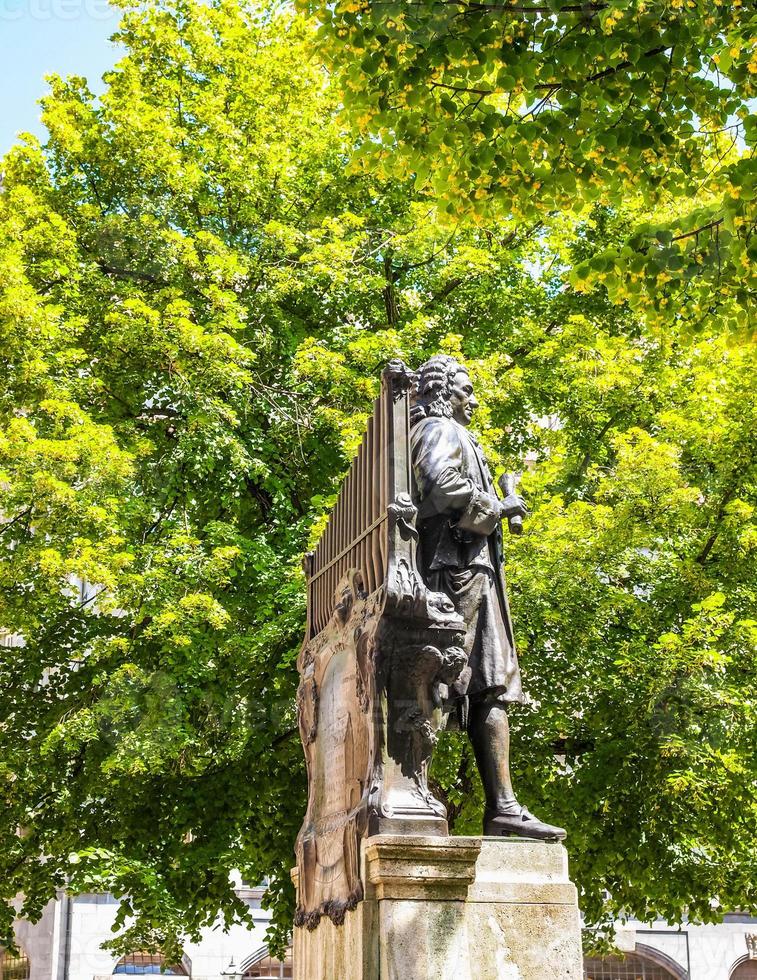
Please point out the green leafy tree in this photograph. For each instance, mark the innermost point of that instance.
(196, 301)
(519, 110)
(633, 588)
(155, 286)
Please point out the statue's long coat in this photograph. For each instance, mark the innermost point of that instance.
(460, 551)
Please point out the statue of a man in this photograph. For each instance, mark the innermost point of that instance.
(460, 553)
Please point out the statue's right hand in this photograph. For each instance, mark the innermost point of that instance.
(513, 506)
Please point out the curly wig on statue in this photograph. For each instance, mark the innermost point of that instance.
(435, 380)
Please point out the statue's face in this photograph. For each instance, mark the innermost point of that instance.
(462, 400)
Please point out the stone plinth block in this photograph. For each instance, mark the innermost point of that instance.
(452, 908)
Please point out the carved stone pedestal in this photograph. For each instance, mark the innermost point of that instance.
(454, 908)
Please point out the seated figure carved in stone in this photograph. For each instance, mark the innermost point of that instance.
(460, 528)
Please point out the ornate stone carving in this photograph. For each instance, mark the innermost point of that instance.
(375, 672)
(307, 702)
(338, 740)
(370, 707)
(402, 380)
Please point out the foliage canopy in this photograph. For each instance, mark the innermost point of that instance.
(196, 301)
(519, 110)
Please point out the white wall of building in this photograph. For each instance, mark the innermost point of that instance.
(81, 925)
(84, 923)
(41, 942)
(711, 952)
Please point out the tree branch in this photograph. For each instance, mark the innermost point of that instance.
(701, 558)
(19, 517)
(566, 9)
(584, 464)
(622, 66)
(390, 297)
(444, 293)
(130, 274)
(462, 88)
(698, 231)
(284, 737)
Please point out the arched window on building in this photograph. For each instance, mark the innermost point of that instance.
(14, 966)
(745, 970)
(148, 964)
(644, 964)
(263, 966)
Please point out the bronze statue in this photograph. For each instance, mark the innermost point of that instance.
(407, 629)
(460, 554)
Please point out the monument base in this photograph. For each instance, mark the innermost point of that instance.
(452, 908)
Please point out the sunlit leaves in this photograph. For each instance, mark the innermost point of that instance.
(633, 587)
(196, 301)
(523, 110)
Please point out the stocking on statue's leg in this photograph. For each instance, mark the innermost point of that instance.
(489, 732)
(490, 736)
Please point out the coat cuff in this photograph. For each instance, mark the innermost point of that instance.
(482, 515)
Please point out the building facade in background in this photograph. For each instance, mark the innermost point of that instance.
(727, 951)
(66, 944)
